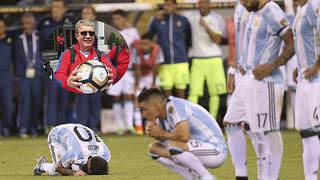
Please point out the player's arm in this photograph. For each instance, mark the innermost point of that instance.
(231, 79)
(68, 172)
(287, 51)
(181, 133)
(215, 37)
(264, 70)
(310, 72)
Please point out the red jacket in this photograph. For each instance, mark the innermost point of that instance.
(65, 68)
(123, 61)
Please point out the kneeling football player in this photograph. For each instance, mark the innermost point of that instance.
(76, 151)
(189, 140)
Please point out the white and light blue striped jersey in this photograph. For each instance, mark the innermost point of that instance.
(79, 142)
(202, 126)
(307, 37)
(240, 19)
(263, 39)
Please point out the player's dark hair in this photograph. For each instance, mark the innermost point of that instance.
(99, 166)
(146, 94)
(119, 12)
(174, 1)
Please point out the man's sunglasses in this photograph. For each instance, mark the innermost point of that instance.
(85, 33)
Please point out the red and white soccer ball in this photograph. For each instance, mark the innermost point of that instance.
(94, 76)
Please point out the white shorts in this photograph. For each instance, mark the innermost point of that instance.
(307, 108)
(258, 102)
(146, 81)
(124, 86)
(210, 156)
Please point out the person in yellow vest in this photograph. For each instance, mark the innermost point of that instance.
(146, 55)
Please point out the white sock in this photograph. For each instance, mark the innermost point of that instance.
(275, 154)
(192, 162)
(311, 154)
(254, 141)
(49, 168)
(128, 108)
(263, 154)
(116, 107)
(238, 149)
(137, 117)
(183, 171)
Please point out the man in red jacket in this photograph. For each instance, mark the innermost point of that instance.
(66, 71)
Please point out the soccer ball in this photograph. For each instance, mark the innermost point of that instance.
(94, 76)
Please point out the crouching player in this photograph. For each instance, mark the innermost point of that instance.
(189, 140)
(76, 151)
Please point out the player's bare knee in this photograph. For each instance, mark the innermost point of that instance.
(154, 147)
(154, 150)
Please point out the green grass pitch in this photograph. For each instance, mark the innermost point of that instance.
(129, 159)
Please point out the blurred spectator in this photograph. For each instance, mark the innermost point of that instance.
(88, 12)
(125, 86)
(55, 20)
(174, 36)
(56, 97)
(207, 63)
(28, 69)
(5, 80)
(147, 56)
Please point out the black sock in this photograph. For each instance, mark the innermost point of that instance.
(242, 178)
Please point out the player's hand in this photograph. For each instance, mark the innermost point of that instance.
(262, 70)
(110, 77)
(230, 83)
(80, 173)
(73, 79)
(310, 72)
(242, 71)
(203, 23)
(153, 129)
(295, 75)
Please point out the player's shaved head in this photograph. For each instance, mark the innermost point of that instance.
(152, 93)
(152, 104)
